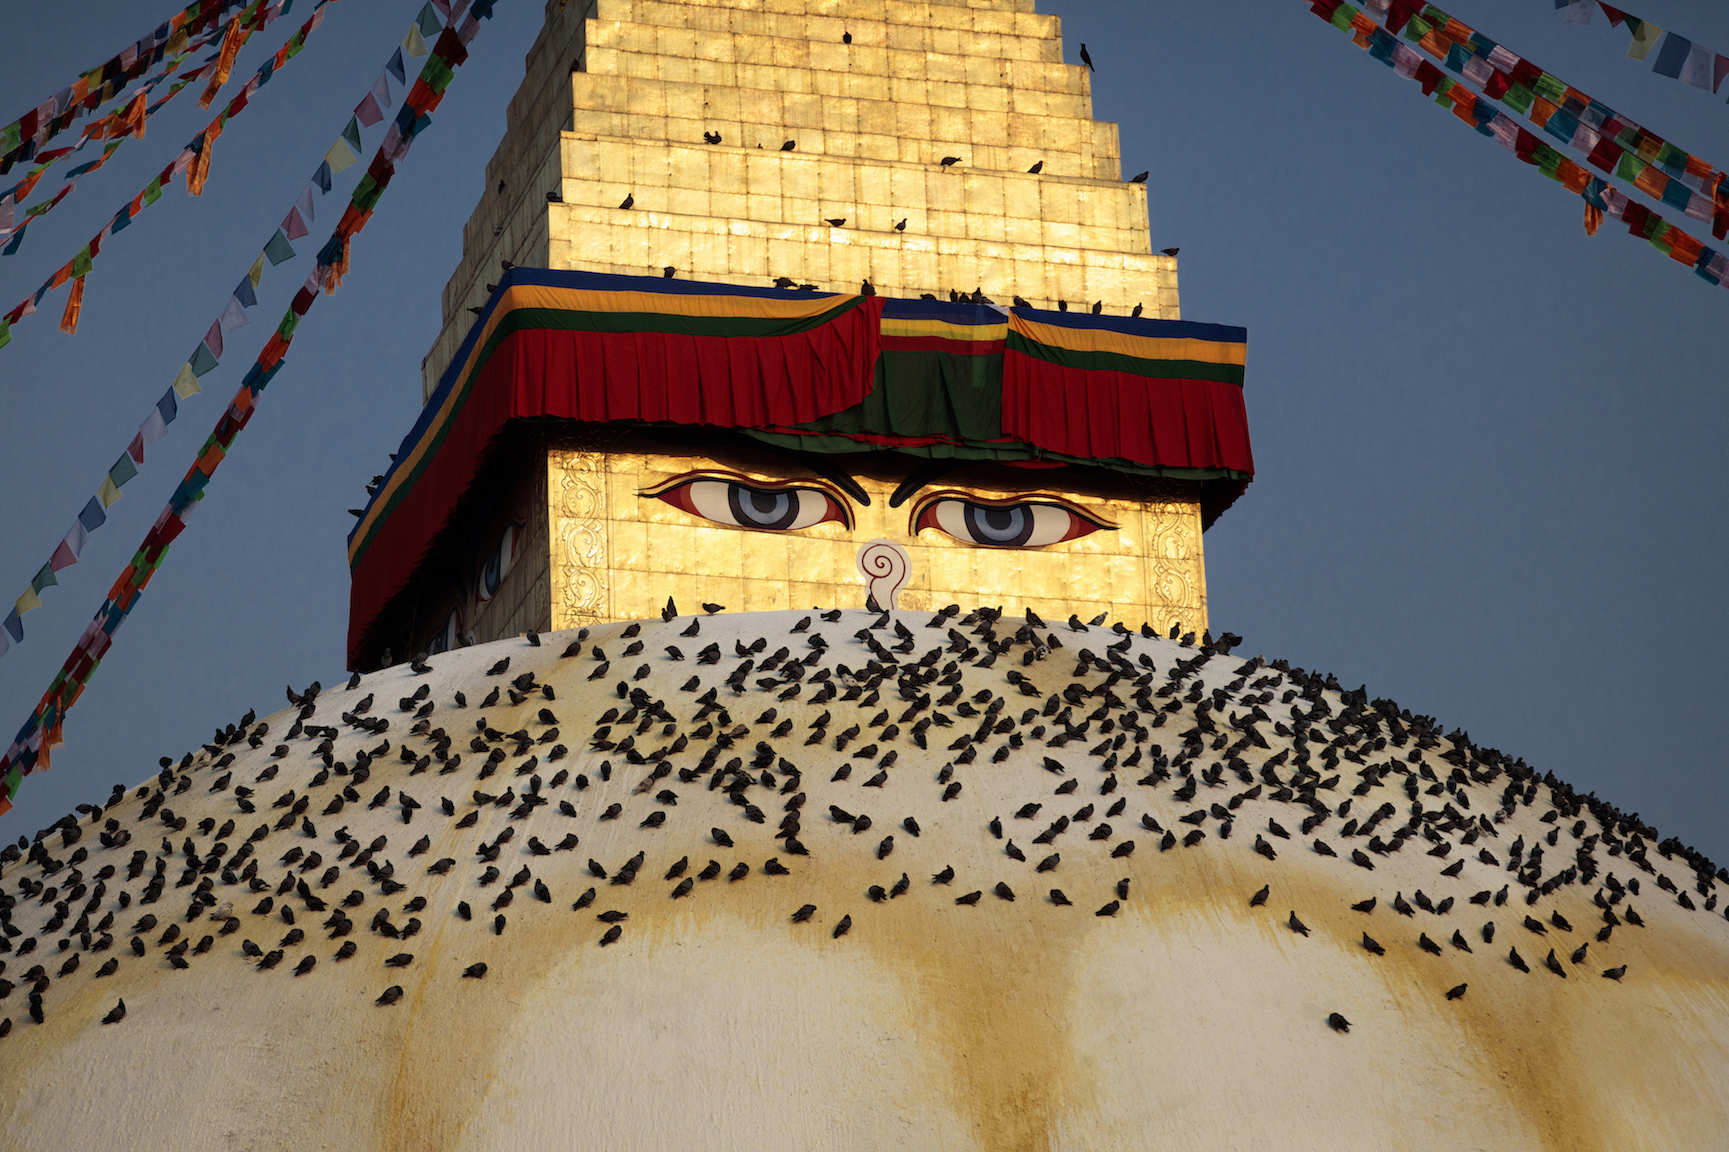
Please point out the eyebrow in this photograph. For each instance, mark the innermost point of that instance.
(923, 476)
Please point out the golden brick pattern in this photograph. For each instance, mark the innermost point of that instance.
(618, 94)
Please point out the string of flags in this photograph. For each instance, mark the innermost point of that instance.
(184, 32)
(193, 161)
(130, 120)
(1679, 58)
(42, 731)
(209, 350)
(1610, 142)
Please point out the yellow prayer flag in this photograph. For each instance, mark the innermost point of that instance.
(28, 601)
(257, 272)
(1643, 40)
(413, 44)
(186, 384)
(340, 155)
(108, 493)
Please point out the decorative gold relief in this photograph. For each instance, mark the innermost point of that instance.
(578, 571)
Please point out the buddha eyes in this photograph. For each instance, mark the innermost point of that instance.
(762, 506)
(767, 506)
(498, 562)
(1003, 524)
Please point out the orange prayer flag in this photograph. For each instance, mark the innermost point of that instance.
(74, 305)
(199, 170)
(1434, 43)
(224, 62)
(1541, 110)
(1682, 247)
(1593, 219)
(1652, 181)
(131, 120)
(1573, 178)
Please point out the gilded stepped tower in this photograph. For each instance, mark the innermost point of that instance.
(871, 122)
(855, 142)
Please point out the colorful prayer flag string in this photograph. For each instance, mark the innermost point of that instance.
(1679, 58)
(194, 161)
(126, 121)
(203, 360)
(22, 139)
(42, 731)
(1440, 36)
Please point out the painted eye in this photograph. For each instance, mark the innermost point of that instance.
(1010, 524)
(498, 563)
(449, 638)
(765, 507)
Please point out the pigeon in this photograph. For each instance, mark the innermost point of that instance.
(118, 1012)
(804, 914)
(843, 927)
(1615, 973)
(1337, 1022)
(1457, 992)
(1370, 945)
(1086, 59)
(1298, 926)
(391, 995)
(1036, 168)
(949, 161)
(1140, 179)
(474, 971)
(629, 201)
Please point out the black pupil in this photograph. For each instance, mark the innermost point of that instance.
(762, 508)
(989, 524)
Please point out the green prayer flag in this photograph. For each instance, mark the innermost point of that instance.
(45, 577)
(81, 262)
(14, 779)
(203, 360)
(1342, 17)
(428, 21)
(289, 322)
(153, 191)
(11, 138)
(1416, 28)
(124, 469)
(5, 331)
(279, 249)
(1551, 88)
(1519, 98)
(352, 133)
(1629, 167)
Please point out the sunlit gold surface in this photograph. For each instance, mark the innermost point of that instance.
(617, 554)
(983, 80)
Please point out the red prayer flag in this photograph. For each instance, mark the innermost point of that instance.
(136, 449)
(1615, 14)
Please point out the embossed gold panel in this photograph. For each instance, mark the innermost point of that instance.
(618, 554)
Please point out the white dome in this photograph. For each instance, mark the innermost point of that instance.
(1188, 1018)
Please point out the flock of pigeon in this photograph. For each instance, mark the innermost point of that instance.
(747, 748)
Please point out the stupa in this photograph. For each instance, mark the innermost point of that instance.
(782, 722)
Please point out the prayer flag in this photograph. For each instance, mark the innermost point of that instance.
(1719, 69)
(1672, 56)
(108, 492)
(153, 428)
(304, 203)
(243, 292)
(381, 91)
(352, 134)
(1645, 36)
(428, 22)
(322, 177)
(185, 383)
(293, 227)
(26, 603)
(14, 626)
(203, 359)
(168, 407)
(233, 316)
(395, 67)
(368, 111)
(44, 578)
(340, 155)
(122, 471)
(70, 548)
(256, 273)
(136, 448)
(93, 517)
(1697, 70)
(1615, 14)
(1578, 11)
(413, 43)
(213, 338)
(279, 249)
(74, 306)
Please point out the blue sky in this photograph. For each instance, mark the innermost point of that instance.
(1486, 443)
